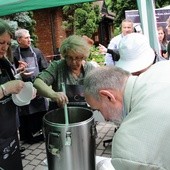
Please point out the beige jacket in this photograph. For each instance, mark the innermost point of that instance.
(143, 140)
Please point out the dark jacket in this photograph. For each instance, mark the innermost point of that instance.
(39, 103)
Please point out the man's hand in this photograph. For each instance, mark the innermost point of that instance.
(102, 49)
(22, 66)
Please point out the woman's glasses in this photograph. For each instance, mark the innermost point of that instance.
(71, 59)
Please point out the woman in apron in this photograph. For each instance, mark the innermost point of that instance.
(10, 157)
(71, 70)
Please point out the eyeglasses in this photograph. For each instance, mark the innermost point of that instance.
(71, 59)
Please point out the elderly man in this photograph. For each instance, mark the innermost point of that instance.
(30, 115)
(112, 50)
(140, 104)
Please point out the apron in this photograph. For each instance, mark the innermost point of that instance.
(31, 61)
(7, 108)
(39, 103)
(31, 115)
(75, 94)
(10, 157)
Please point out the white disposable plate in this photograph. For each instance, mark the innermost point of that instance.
(29, 69)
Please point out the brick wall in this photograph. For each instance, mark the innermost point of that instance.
(50, 32)
(48, 29)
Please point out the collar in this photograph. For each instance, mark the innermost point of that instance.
(128, 93)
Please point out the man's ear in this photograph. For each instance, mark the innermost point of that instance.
(19, 40)
(106, 94)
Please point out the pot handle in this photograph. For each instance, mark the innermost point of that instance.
(53, 148)
(93, 130)
(68, 138)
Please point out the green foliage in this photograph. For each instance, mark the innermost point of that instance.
(23, 20)
(160, 3)
(82, 19)
(117, 31)
(96, 56)
(120, 6)
(109, 3)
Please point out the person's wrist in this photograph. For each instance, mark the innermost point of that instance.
(109, 50)
(5, 93)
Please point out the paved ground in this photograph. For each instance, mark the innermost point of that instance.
(36, 153)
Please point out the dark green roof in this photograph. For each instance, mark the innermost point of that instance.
(14, 6)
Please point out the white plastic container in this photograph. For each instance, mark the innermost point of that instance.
(27, 93)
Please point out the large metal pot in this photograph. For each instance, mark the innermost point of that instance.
(70, 147)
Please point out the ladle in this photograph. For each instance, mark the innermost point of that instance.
(65, 105)
(68, 133)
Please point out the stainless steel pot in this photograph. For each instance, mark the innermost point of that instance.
(70, 147)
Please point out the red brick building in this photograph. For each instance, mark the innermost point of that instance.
(50, 32)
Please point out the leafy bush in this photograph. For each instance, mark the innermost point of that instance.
(96, 56)
(81, 19)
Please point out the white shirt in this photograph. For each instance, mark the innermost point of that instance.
(113, 45)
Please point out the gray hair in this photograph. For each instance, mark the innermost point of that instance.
(75, 44)
(105, 77)
(19, 33)
(127, 20)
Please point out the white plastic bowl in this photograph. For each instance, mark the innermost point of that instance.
(25, 96)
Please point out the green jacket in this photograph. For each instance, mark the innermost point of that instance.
(58, 72)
